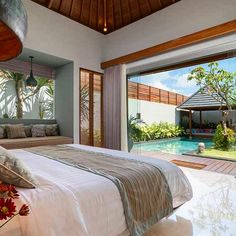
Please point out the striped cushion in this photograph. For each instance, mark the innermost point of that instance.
(15, 131)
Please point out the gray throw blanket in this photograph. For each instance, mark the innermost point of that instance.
(143, 188)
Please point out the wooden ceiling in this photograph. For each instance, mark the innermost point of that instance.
(112, 14)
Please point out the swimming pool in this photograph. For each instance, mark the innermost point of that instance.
(173, 146)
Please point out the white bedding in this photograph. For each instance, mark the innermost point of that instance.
(72, 202)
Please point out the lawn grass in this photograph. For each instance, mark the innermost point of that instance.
(211, 152)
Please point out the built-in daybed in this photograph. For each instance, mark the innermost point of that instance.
(26, 134)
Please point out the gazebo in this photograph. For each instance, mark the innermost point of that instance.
(201, 101)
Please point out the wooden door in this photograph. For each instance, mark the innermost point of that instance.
(91, 108)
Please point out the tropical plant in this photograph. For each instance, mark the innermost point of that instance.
(152, 132)
(221, 141)
(22, 94)
(84, 102)
(49, 104)
(41, 111)
(161, 130)
(219, 83)
(134, 130)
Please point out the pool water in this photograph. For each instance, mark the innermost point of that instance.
(173, 146)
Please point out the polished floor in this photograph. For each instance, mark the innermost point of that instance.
(211, 212)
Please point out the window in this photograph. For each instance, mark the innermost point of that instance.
(20, 102)
(188, 99)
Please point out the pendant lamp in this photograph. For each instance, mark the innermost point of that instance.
(13, 28)
(31, 81)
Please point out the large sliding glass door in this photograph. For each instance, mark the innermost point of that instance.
(91, 108)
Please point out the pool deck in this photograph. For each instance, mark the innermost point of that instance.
(220, 166)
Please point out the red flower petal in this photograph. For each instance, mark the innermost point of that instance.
(24, 211)
(7, 208)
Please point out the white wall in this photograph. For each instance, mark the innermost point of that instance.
(183, 18)
(54, 34)
(153, 112)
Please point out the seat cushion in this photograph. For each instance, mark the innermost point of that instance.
(34, 142)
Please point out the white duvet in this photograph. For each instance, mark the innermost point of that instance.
(72, 202)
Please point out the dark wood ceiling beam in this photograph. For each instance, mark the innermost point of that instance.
(71, 7)
(110, 16)
(200, 36)
(100, 22)
(60, 5)
(81, 9)
(149, 5)
(112, 12)
(90, 12)
(139, 9)
(129, 11)
(50, 3)
(120, 13)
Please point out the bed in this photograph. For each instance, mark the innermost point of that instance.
(70, 201)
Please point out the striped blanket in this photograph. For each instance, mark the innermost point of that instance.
(143, 188)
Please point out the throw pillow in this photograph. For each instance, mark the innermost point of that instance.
(52, 130)
(14, 171)
(38, 131)
(28, 131)
(15, 131)
(3, 133)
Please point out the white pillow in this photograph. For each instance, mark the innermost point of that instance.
(10, 164)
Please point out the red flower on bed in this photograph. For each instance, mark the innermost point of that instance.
(24, 211)
(8, 191)
(7, 208)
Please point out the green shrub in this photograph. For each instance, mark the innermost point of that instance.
(221, 141)
(155, 131)
(134, 131)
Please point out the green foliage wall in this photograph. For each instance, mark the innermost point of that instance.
(154, 131)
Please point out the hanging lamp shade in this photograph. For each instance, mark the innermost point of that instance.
(13, 28)
(31, 81)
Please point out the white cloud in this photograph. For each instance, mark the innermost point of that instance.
(183, 82)
(178, 81)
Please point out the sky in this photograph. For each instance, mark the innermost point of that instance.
(177, 80)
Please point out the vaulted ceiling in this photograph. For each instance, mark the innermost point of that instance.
(106, 16)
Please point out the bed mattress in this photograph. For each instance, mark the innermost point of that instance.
(69, 201)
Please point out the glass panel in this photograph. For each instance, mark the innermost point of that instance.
(97, 115)
(134, 113)
(20, 102)
(173, 111)
(84, 108)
